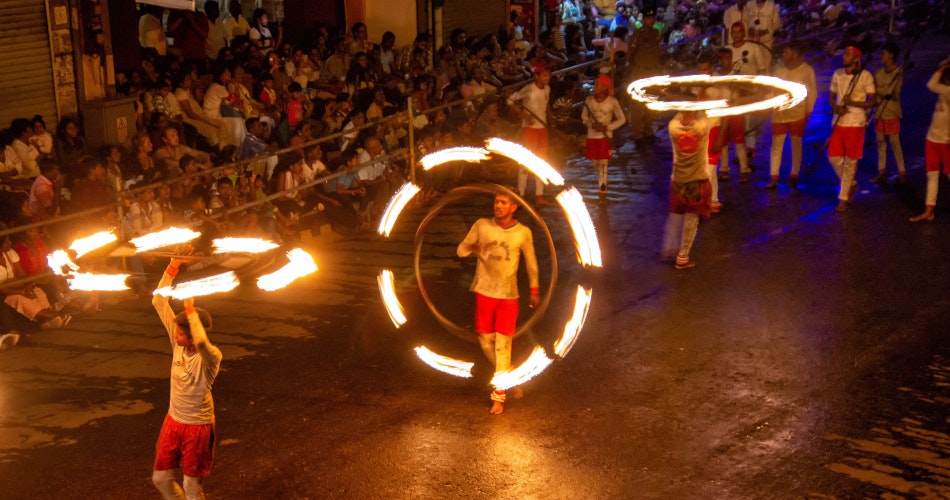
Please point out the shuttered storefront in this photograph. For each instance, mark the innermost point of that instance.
(26, 72)
(476, 17)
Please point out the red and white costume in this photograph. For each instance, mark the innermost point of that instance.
(846, 145)
(599, 144)
(937, 148)
(792, 121)
(534, 100)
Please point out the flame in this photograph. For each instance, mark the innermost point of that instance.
(540, 168)
(445, 364)
(585, 236)
(301, 264)
(535, 364)
(572, 329)
(60, 259)
(469, 154)
(387, 289)
(82, 246)
(98, 282)
(245, 245)
(792, 94)
(163, 238)
(395, 207)
(206, 286)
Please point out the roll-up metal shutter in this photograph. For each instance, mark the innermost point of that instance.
(476, 17)
(26, 70)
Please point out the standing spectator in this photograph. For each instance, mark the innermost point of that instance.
(217, 33)
(191, 30)
(339, 63)
(887, 115)
(235, 25)
(70, 145)
(643, 58)
(151, 31)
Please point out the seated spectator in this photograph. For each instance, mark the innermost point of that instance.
(41, 139)
(10, 165)
(29, 302)
(193, 114)
(349, 192)
(218, 105)
(111, 156)
(33, 248)
(141, 167)
(299, 107)
(44, 198)
(20, 131)
(239, 87)
(169, 154)
(225, 198)
(91, 190)
(255, 144)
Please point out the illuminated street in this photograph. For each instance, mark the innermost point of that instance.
(804, 357)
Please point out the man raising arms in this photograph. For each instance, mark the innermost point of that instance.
(186, 440)
(498, 244)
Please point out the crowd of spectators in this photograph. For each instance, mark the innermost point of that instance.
(231, 88)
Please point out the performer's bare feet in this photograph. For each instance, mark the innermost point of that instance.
(842, 206)
(496, 407)
(928, 215)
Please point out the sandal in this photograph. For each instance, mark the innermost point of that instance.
(687, 264)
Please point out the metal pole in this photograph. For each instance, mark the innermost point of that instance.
(412, 142)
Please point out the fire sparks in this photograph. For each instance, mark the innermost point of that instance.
(206, 286)
(387, 289)
(585, 236)
(301, 264)
(163, 238)
(98, 282)
(396, 206)
(82, 246)
(574, 325)
(540, 168)
(243, 245)
(469, 154)
(535, 364)
(791, 94)
(445, 364)
(60, 259)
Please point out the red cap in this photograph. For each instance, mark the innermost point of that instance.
(854, 50)
(541, 67)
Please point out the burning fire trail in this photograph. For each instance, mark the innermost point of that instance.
(540, 168)
(387, 289)
(82, 246)
(445, 364)
(469, 154)
(585, 236)
(163, 238)
(396, 206)
(98, 282)
(206, 286)
(574, 325)
(535, 364)
(244, 245)
(301, 264)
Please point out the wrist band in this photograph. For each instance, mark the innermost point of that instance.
(171, 270)
(190, 310)
(535, 291)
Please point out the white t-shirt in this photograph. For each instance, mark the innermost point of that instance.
(371, 171)
(6, 271)
(607, 112)
(535, 101)
(805, 75)
(499, 254)
(768, 19)
(747, 59)
(213, 97)
(939, 131)
(840, 84)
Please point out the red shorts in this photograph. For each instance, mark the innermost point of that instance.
(936, 154)
(189, 447)
(599, 149)
(495, 315)
(714, 153)
(736, 129)
(846, 141)
(888, 127)
(691, 198)
(535, 139)
(796, 128)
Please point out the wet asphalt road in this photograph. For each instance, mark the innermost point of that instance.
(805, 357)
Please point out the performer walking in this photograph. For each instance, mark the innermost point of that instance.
(186, 440)
(792, 121)
(602, 115)
(852, 95)
(937, 148)
(531, 104)
(689, 189)
(498, 244)
(887, 115)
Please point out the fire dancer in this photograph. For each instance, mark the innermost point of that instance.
(498, 244)
(690, 190)
(186, 440)
(937, 145)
